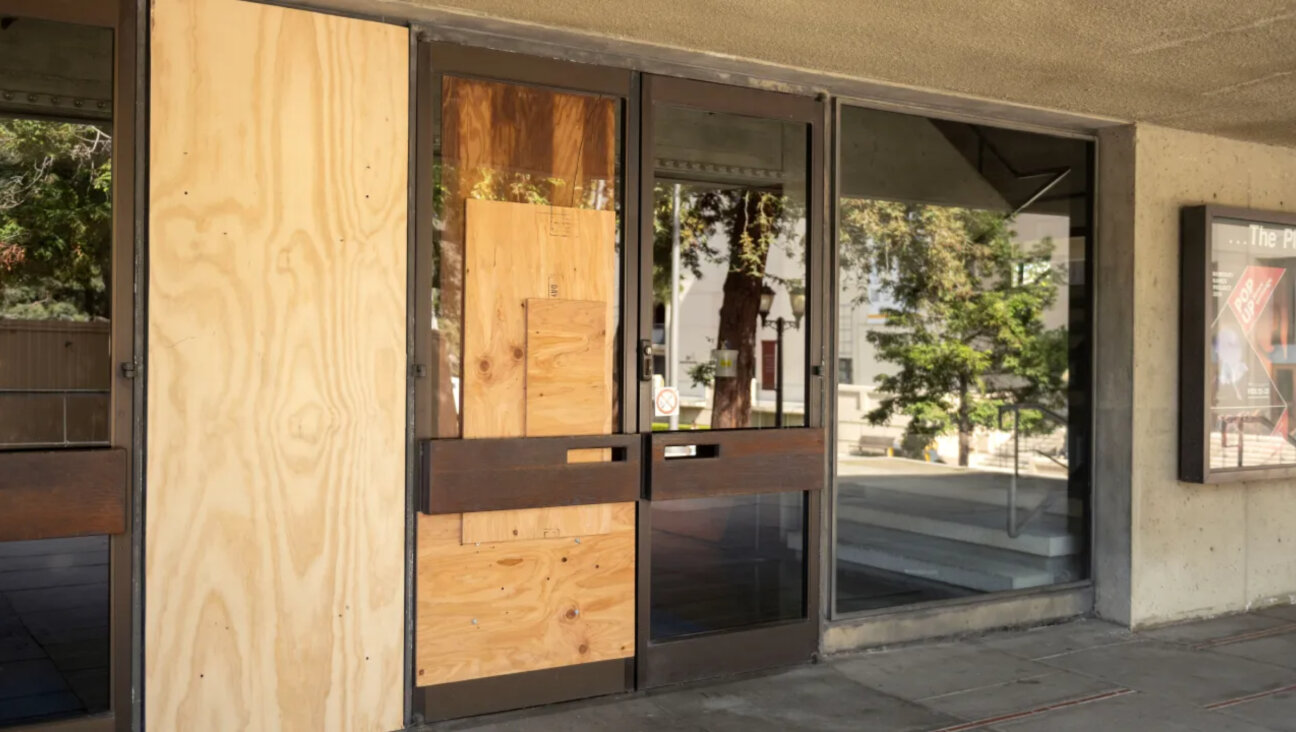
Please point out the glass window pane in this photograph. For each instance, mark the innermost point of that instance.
(726, 562)
(962, 357)
(729, 269)
(53, 628)
(527, 207)
(55, 234)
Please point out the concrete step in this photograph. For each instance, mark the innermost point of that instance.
(950, 562)
(969, 522)
(989, 489)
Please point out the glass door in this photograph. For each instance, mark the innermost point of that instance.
(526, 547)
(730, 328)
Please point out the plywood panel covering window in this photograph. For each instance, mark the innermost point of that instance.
(275, 512)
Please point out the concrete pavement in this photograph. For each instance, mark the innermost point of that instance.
(1232, 674)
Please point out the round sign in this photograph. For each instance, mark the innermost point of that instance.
(666, 402)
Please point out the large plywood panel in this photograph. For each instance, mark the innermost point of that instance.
(516, 252)
(568, 384)
(276, 403)
(547, 523)
(520, 605)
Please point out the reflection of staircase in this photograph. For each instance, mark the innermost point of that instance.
(1038, 452)
(1256, 449)
(947, 525)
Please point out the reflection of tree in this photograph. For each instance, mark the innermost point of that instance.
(966, 328)
(751, 221)
(55, 220)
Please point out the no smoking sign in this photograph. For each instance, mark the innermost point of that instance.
(666, 401)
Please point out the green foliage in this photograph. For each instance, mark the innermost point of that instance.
(966, 326)
(702, 373)
(706, 211)
(55, 220)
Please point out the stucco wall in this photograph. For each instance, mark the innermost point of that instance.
(1195, 550)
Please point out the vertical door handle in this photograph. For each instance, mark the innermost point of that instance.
(645, 360)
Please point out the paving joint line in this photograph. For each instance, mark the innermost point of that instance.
(1243, 637)
(1249, 697)
(1035, 712)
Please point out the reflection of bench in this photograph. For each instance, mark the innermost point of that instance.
(874, 444)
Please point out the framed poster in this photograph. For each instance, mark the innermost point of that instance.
(1238, 341)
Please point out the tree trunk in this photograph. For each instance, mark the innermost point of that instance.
(740, 309)
(964, 424)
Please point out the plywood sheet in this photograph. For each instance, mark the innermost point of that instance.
(568, 387)
(547, 523)
(274, 550)
(516, 252)
(520, 605)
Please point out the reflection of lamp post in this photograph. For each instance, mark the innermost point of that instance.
(798, 302)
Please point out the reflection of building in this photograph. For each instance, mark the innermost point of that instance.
(700, 301)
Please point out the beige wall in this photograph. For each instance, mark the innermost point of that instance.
(1195, 550)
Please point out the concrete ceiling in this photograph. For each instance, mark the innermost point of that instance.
(1214, 66)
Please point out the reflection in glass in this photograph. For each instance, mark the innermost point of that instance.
(53, 628)
(55, 366)
(727, 562)
(962, 360)
(729, 269)
(55, 245)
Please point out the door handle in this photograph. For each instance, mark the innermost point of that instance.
(645, 360)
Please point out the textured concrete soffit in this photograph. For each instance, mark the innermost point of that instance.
(1223, 68)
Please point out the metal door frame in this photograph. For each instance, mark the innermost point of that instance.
(773, 644)
(434, 60)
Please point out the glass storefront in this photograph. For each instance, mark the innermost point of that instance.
(962, 360)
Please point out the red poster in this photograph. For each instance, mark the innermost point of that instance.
(769, 362)
(1252, 293)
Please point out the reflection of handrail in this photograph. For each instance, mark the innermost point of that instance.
(64, 394)
(1240, 420)
(1014, 527)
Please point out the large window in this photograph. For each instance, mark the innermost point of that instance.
(963, 360)
(56, 367)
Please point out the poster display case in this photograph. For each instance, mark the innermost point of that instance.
(1238, 336)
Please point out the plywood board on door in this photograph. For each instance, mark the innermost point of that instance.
(517, 252)
(520, 605)
(568, 384)
(547, 523)
(274, 549)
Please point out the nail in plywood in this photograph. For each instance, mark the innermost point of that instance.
(516, 252)
(547, 523)
(274, 555)
(520, 605)
(568, 386)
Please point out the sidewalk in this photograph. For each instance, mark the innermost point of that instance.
(1224, 675)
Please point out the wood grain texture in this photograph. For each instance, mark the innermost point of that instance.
(568, 382)
(59, 493)
(516, 252)
(274, 550)
(520, 605)
(547, 523)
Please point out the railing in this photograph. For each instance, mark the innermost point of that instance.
(1240, 421)
(64, 395)
(1014, 526)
